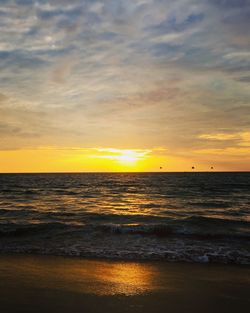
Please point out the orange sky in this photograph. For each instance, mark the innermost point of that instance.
(108, 160)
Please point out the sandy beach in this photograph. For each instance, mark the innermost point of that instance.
(59, 284)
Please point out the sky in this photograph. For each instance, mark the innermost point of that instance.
(124, 85)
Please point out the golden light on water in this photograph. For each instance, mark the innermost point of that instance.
(124, 278)
(89, 276)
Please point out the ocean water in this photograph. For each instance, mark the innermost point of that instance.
(193, 217)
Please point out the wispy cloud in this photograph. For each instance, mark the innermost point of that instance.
(134, 73)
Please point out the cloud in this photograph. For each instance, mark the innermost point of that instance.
(235, 144)
(63, 70)
(219, 136)
(244, 79)
(230, 152)
(118, 73)
(3, 98)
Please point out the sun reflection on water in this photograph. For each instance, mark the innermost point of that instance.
(126, 278)
(88, 276)
(110, 278)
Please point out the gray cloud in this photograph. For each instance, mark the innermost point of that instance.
(162, 72)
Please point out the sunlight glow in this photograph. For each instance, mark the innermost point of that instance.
(77, 159)
(125, 157)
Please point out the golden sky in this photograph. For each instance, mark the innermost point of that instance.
(122, 85)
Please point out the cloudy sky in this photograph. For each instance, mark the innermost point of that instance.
(90, 85)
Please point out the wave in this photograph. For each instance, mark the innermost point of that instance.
(184, 229)
(14, 229)
(206, 204)
(103, 245)
(195, 226)
(127, 241)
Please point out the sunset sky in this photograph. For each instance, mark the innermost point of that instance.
(124, 85)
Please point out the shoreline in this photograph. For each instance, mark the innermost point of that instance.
(122, 259)
(35, 283)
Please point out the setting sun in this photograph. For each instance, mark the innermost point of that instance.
(122, 156)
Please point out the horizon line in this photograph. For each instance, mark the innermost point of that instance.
(129, 172)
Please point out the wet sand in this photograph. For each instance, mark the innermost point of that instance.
(58, 284)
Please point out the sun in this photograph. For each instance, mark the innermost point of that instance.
(128, 157)
(124, 157)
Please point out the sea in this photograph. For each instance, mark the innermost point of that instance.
(175, 217)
